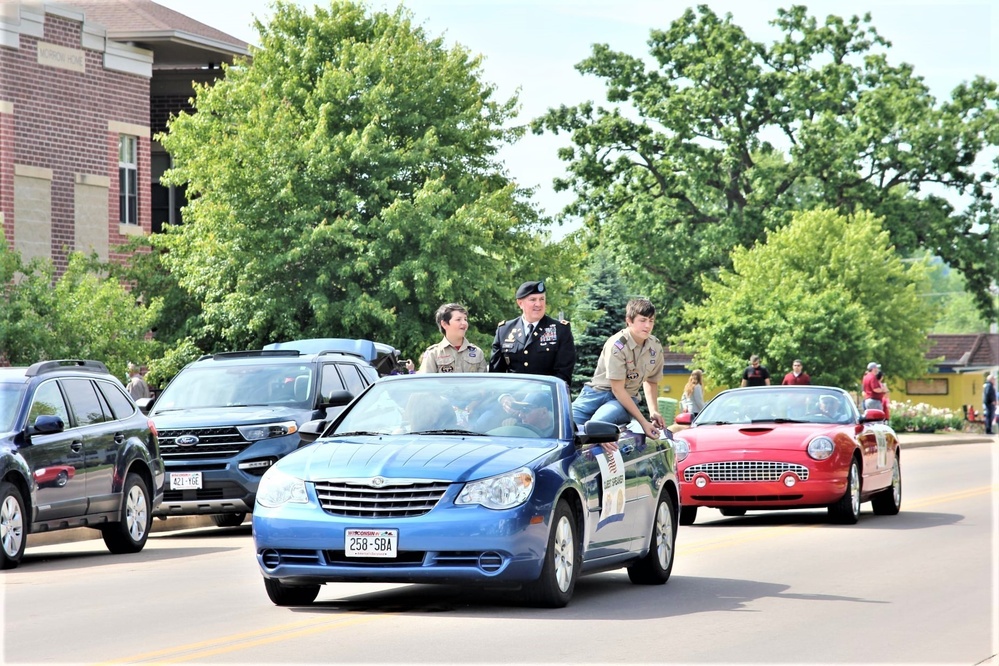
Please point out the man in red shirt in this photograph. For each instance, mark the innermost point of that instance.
(797, 375)
(872, 387)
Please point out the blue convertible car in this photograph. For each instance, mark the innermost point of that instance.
(471, 479)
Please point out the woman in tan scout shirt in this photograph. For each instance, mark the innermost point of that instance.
(454, 353)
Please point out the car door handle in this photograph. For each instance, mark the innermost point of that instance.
(119, 438)
(627, 448)
(76, 446)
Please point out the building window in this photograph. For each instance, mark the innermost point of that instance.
(167, 201)
(128, 177)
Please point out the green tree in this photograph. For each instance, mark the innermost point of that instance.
(828, 289)
(344, 183)
(725, 136)
(82, 314)
(599, 314)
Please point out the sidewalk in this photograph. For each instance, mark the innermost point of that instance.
(919, 439)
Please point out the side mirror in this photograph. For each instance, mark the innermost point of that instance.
(873, 415)
(684, 419)
(337, 399)
(598, 432)
(46, 424)
(144, 404)
(310, 431)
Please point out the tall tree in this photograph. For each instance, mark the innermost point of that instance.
(725, 136)
(602, 302)
(828, 289)
(344, 183)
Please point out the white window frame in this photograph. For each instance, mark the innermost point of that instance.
(128, 179)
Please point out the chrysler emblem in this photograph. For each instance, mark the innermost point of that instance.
(378, 482)
(187, 440)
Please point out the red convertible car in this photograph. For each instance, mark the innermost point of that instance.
(787, 447)
(54, 475)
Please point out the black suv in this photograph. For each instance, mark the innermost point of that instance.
(226, 418)
(74, 452)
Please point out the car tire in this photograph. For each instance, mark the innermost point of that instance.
(688, 514)
(888, 502)
(228, 519)
(733, 513)
(657, 565)
(290, 595)
(62, 479)
(13, 536)
(846, 511)
(129, 534)
(563, 559)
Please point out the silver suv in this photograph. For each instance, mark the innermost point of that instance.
(226, 418)
(74, 452)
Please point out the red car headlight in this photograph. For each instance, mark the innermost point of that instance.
(821, 448)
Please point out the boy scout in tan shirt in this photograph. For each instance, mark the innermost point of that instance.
(631, 359)
(454, 353)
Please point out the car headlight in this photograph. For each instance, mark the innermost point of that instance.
(277, 488)
(682, 449)
(821, 448)
(499, 492)
(252, 433)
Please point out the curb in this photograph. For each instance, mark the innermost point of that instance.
(170, 524)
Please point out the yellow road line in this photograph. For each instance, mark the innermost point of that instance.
(243, 640)
(766, 533)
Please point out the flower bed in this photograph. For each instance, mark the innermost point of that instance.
(920, 417)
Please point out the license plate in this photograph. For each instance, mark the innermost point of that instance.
(371, 543)
(185, 480)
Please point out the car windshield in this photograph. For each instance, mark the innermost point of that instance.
(231, 385)
(497, 405)
(779, 404)
(10, 398)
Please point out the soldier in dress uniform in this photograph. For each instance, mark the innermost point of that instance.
(454, 353)
(533, 343)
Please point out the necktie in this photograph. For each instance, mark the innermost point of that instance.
(530, 330)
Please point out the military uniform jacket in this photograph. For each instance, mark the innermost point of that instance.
(550, 350)
(622, 358)
(443, 357)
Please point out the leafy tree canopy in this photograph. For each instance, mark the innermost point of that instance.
(344, 184)
(80, 315)
(725, 137)
(600, 310)
(828, 289)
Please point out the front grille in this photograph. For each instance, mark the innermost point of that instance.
(745, 470)
(224, 442)
(202, 495)
(388, 501)
(405, 558)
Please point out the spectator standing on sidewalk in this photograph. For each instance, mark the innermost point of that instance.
(873, 389)
(137, 386)
(797, 375)
(989, 396)
(755, 374)
(692, 398)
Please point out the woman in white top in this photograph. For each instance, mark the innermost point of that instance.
(692, 399)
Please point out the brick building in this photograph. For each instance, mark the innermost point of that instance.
(84, 88)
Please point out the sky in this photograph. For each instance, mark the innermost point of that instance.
(530, 48)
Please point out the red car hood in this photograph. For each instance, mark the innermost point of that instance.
(747, 437)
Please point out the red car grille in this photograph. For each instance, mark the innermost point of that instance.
(738, 471)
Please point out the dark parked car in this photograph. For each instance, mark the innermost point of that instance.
(226, 418)
(466, 478)
(74, 452)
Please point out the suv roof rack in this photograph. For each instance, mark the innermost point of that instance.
(253, 353)
(341, 352)
(43, 367)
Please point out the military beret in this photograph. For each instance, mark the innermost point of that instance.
(529, 288)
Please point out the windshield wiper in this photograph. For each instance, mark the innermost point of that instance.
(356, 433)
(446, 431)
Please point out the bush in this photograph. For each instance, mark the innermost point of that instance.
(920, 417)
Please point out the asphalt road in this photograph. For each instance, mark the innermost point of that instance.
(775, 588)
